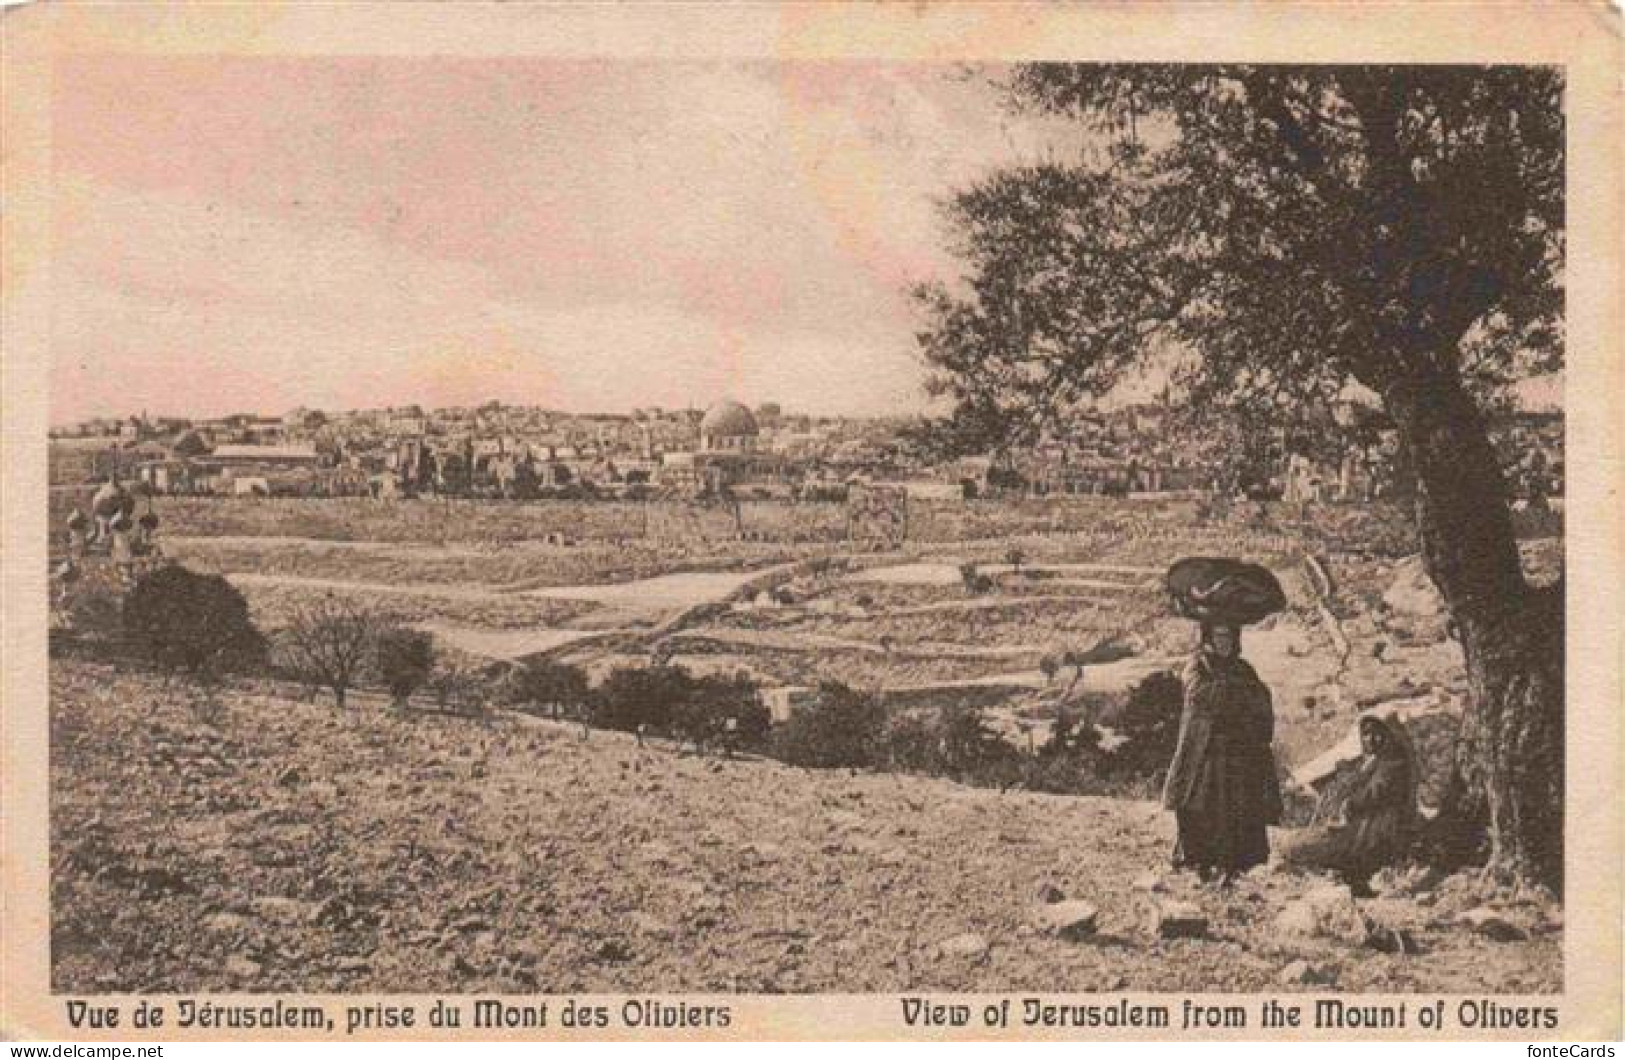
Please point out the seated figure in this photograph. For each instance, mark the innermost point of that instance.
(1379, 815)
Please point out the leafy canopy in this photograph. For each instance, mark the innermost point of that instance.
(1266, 234)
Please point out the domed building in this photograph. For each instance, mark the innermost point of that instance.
(728, 427)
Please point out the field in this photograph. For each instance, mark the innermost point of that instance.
(487, 578)
(280, 844)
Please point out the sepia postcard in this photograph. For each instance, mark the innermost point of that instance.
(810, 521)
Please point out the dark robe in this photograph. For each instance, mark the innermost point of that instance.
(1379, 814)
(1222, 785)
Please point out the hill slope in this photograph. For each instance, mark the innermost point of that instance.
(283, 846)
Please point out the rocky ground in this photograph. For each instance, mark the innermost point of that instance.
(270, 845)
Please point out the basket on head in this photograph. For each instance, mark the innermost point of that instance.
(1224, 591)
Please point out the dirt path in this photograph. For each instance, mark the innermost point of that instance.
(946, 572)
(771, 640)
(449, 592)
(182, 541)
(1116, 676)
(509, 644)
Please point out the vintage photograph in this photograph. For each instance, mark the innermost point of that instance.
(535, 525)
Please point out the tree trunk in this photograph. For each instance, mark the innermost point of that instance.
(1510, 752)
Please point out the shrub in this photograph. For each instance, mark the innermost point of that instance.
(839, 727)
(1070, 762)
(650, 696)
(95, 608)
(545, 685)
(1071, 737)
(457, 687)
(972, 753)
(1149, 725)
(404, 658)
(912, 743)
(180, 619)
(725, 707)
(976, 583)
(1066, 775)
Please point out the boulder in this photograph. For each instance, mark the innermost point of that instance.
(1412, 592)
(224, 922)
(1068, 920)
(242, 968)
(1048, 894)
(1325, 911)
(1302, 973)
(968, 944)
(1492, 924)
(1177, 920)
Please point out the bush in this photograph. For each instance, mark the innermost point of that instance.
(1066, 775)
(404, 658)
(457, 687)
(912, 743)
(1149, 726)
(839, 727)
(973, 753)
(726, 708)
(1070, 762)
(544, 685)
(633, 696)
(975, 582)
(95, 609)
(180, 619)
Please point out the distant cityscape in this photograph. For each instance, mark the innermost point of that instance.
(511, 452)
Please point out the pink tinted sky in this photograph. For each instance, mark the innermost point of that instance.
(236, 234)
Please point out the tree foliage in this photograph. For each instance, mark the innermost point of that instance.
(404, 658)
(1268, 233)
(634, 696)
(723, 707)
(182, 620)
(551, 686)
(1148, 725)
(840, 727)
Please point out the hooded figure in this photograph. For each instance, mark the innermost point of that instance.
(1380, 815)
(1221, 784)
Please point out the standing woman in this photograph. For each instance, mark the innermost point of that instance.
(1222, 785)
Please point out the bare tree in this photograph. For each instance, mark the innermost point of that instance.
(328, 642)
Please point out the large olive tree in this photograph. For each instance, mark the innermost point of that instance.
(1271, 234)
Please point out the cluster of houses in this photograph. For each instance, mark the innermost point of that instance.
(490, 451)
(504, 451)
